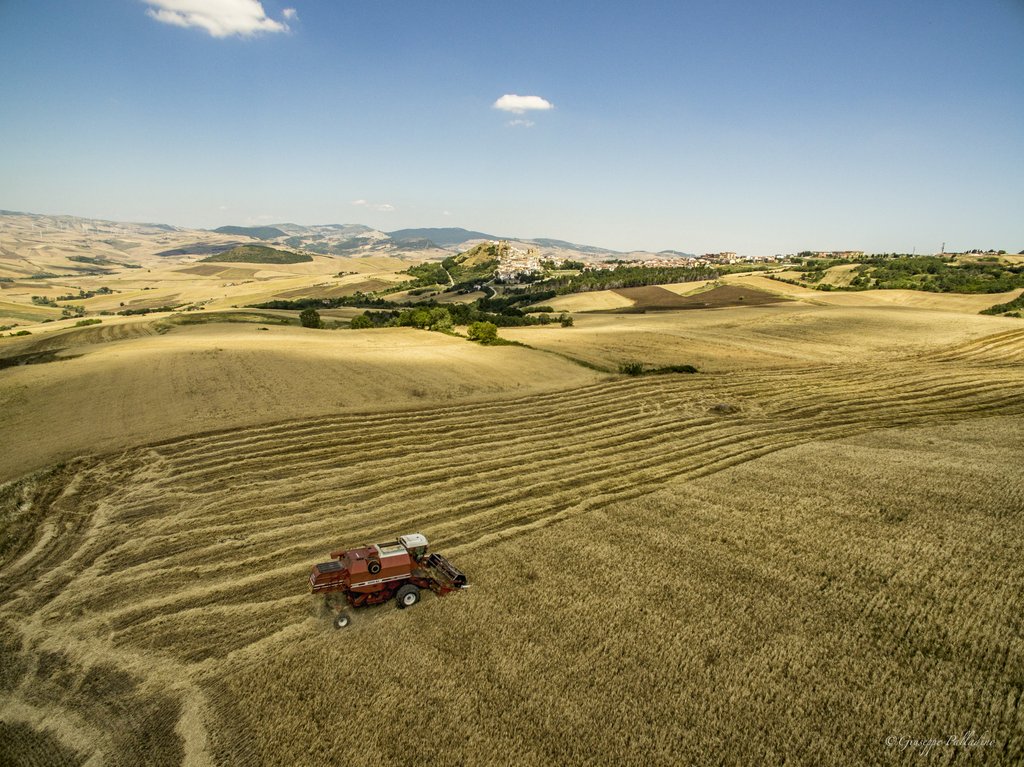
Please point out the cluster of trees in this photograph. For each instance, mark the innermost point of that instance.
(89, 260)
(1009, 306)
(565, 266)
(639, 368)
(444, 318)
(358, 298)
(483, 332)
(130, 312)
(104, 291)
(625, 277)
(310, 318)
(938, 275)
(934, 274)
(502, 311)
(427, 274)
(437, 318)
(426, 318)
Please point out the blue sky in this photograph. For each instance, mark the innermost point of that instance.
(759, 127)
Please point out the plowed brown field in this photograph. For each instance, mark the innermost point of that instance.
(655, 298)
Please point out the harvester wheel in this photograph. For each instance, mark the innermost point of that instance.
(407, 596)
(342, 620)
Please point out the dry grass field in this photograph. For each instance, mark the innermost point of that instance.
(811, 552)
(112, 386)
(835, 563)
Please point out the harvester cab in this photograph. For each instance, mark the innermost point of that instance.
(370, 575)
(415, 544)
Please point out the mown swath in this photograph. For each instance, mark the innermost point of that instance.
(203, 529)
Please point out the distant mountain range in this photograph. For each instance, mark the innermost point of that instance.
(328, 239)
(441, 236)
(356, 239)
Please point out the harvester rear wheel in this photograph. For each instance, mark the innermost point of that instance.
(342, 620)
(407, 596)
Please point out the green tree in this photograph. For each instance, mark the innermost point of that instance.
(484, 332)
(566, 320)
(310, 318)
(359, 322)
(440, 319)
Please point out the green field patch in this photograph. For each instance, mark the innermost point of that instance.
(259, 254)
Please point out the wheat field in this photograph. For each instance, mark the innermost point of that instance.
(831, 561)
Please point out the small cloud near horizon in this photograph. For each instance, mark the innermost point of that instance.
(518, 105)
(380, 207)
(519, 123)
(219, 18)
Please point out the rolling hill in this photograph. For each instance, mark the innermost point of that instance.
(259, 254)
(257, 232)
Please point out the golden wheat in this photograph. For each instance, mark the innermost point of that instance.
(655, 580)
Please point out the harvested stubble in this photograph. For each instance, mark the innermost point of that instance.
(837, 562)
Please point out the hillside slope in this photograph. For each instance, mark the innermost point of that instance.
(139, 386)
(257, 232)
(258, 254)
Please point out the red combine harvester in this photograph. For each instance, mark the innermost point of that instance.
(370, 575)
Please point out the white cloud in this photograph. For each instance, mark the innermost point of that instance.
(379, 207)
(519, 123)
(510, 102)
(446, 212)
(220, 18)
(290, 13)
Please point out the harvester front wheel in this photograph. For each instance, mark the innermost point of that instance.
(407, 596)
(342, 620)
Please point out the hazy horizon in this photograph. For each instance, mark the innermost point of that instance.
(872, 126)
(949, 247)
